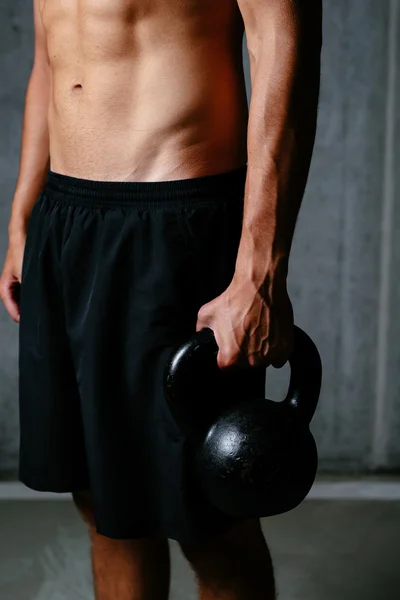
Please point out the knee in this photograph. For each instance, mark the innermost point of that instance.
(84, 503)
(238, 542)
(237, 560)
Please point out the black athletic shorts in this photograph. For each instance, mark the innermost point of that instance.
(113, 276)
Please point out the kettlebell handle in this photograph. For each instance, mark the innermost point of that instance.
(305, 375)
(305, 370)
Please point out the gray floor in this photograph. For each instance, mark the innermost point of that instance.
(323, 550)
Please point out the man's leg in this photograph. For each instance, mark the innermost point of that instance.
(233, 566)
(126, 569)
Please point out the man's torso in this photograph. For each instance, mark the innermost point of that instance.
(145, 90)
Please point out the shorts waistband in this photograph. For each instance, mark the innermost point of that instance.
(125, 193)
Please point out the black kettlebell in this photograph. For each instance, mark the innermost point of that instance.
(253, 457)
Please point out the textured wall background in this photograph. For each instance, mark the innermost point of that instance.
(344, 266)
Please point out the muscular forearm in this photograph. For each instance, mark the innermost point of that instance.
(34, 160)
(281, 132)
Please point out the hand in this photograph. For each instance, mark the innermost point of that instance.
(10, 279)
(253, 325)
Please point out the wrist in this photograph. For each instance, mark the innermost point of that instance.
(260, 273)
(257, 263)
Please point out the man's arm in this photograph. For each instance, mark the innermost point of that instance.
(34, 159)
(34, 164)
(284, 39)
(253, 319)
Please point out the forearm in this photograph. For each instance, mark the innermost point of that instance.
(281, 134)
(34, 158)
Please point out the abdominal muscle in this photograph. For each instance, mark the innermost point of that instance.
(145, 90)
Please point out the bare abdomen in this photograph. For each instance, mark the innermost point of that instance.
(160, 108)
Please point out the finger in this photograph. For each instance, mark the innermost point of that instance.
(224, 356)
(230, 358)
(257, 360)
(11, 302)
(279, 356)
(283, 352)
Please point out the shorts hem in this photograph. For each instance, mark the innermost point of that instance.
(60, 488)
(165, 533)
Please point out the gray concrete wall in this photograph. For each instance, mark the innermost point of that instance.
(344, 262)
(16, 39)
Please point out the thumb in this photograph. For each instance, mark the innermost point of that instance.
(203, 318)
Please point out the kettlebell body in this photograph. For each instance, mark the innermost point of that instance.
(253, 457)
(257, 460)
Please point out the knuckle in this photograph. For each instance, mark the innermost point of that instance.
(202, 313)
(228, 360)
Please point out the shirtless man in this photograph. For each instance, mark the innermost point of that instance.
(158, 204)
